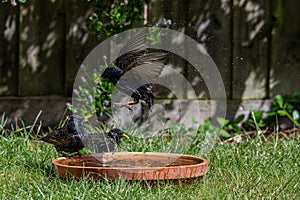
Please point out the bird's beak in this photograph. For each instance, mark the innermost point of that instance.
(126, 136)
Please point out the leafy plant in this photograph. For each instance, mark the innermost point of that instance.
(231, 126)
(287, 107)
(284, 106)
(94, 95)
(102, 97)
(117, 17)
(155, 32)
(257, 119)
(207, 126)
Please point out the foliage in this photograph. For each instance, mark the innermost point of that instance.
(103, 92)
(287, 107)
(283, 106)
(111, 19)
(94, 94)
(13, 2)
(155, 32)
(230, 124)
(208, 126)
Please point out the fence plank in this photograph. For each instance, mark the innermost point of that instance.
(210, 25)
(42, 64)
(285, 71)
(9, 19)
(78, 42)
(203, 21)
(177, 13)
(250, 64)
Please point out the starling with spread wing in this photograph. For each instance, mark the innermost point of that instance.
(131, 58)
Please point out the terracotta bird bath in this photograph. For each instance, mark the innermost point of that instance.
(131, 166)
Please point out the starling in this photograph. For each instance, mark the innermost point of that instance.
(136, 85)
(72, 137)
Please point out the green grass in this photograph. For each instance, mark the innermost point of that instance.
(254, 169)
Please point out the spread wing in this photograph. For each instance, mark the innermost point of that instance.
(140, 66)
(148, 66)
(135, 54)
(137, 42)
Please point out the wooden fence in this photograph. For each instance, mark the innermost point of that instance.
(254, 43)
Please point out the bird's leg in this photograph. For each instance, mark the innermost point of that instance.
(127, 104)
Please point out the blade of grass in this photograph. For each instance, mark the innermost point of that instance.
(36, 118)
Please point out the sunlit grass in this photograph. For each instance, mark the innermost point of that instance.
(253, 169)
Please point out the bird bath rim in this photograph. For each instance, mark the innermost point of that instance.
(134, 173)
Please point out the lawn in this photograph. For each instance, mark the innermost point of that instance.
(253, 169)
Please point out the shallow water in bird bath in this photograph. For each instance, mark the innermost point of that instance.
(130, 161)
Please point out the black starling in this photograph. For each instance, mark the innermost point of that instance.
(137, 85)
(72, 137)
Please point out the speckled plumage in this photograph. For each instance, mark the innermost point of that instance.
(71, 137)
(138, 84)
